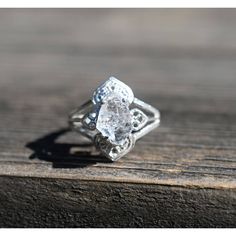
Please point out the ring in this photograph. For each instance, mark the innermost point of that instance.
(114, 119)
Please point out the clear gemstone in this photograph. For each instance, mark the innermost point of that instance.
(114, 119)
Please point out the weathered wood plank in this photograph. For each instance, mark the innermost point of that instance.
(71, 203)
(50, 61)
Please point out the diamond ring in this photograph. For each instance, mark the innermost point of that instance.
(114, 119)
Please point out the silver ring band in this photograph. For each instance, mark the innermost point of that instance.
(144, 118)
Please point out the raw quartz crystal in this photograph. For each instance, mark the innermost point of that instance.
(114, 119)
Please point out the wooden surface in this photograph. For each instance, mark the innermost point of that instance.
(183, 62)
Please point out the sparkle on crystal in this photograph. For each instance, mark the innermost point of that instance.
(114, 119)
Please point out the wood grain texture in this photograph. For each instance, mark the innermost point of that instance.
(183, 174)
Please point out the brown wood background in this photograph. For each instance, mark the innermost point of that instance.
(183, 62)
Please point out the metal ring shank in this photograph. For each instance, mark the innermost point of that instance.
(76, 118)
(153, 121)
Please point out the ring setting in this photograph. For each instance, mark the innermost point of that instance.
(114, 119)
